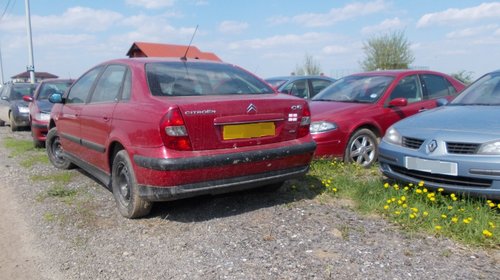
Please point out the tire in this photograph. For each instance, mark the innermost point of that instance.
(55, 151)
(125, 189)
(2, 123)
(13, 126)
(362, 148)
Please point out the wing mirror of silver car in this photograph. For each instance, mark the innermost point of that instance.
(441, 102)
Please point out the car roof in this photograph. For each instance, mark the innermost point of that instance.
(144, 60)
(296, 77)
(396, 72)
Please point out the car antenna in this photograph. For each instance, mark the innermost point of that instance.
(184, 58)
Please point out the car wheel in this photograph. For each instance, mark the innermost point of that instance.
(13, 125)
(55, 151)
(2, 123)
(125, 188)
(362, 148)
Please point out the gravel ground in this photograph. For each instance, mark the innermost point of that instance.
(290, 234)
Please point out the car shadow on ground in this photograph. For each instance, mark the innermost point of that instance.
(207, 207)
(203, 208)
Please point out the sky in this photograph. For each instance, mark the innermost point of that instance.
(268, 38)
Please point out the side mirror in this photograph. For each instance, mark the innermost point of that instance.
(442, 102)
(56, 98)
(27, 98)
(398, 102)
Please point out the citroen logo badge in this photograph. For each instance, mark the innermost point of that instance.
(251, 108)
(432, 146)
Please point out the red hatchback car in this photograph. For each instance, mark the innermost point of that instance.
(39, 107)
(350, 116)
(164, 129)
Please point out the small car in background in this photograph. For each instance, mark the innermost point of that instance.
(351, 115)
(158, 129)
(39, 107)
(455, 147)
(14, 110)
(301, 86)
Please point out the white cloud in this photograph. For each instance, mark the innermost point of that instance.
(201, 3)
(473, 31)
(335, 49)
(280, 40)
(277, 20)
(233, 27)
(335, 15)
(76, 18)
(386, 25)
(151, 4)
(453, 16)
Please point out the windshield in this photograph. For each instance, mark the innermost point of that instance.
(366, 89)
(187, 79)
(20, 90)
(50, 88)
(484, 91)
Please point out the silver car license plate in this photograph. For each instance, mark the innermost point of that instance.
(432, 166)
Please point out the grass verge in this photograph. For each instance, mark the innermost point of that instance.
(416, 209)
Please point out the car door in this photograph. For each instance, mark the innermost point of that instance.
(96, 117)
(409, 88)
(68, 123)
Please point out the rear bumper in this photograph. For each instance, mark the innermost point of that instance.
(152, 193)
(191, 163)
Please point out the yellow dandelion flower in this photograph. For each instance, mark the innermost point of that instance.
(419, 191)
(400, 202)
(329, 181)
(415, 210)
(334, 189)
(421, 183)
(438, 227)
(487, 233)
(393, 199)
(440, 190)
(454, 220)
(425, 190)
(454, 198)
(452, 195)
(411, 184)
(403, 198)
(491, 224)
(498, 205)
(425, 213)
(386, 185)
(389, 201)
(397, 212)
(386, 207)
(406, 188)
(444, 216)
(466, 221)
(491, 204)
(412, 216)
(404, 205)
(450, 207)
(432, 199)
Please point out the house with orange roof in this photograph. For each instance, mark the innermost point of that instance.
(143, 49)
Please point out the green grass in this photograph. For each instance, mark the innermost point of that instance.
(18, 147)
(415, 209)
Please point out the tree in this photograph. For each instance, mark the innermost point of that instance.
(309, 67)
(388, 51)
(463, 76)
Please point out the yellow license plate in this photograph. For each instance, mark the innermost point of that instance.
(251, 130)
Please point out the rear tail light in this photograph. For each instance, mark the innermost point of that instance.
(305, 122)
(174, 132)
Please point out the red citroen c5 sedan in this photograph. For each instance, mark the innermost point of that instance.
(162, 129)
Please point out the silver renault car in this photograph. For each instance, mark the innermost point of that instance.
(455, 147)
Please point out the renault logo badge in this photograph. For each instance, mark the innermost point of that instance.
(432, 146)
(251, 108)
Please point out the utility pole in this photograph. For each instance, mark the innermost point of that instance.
(31, 67)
